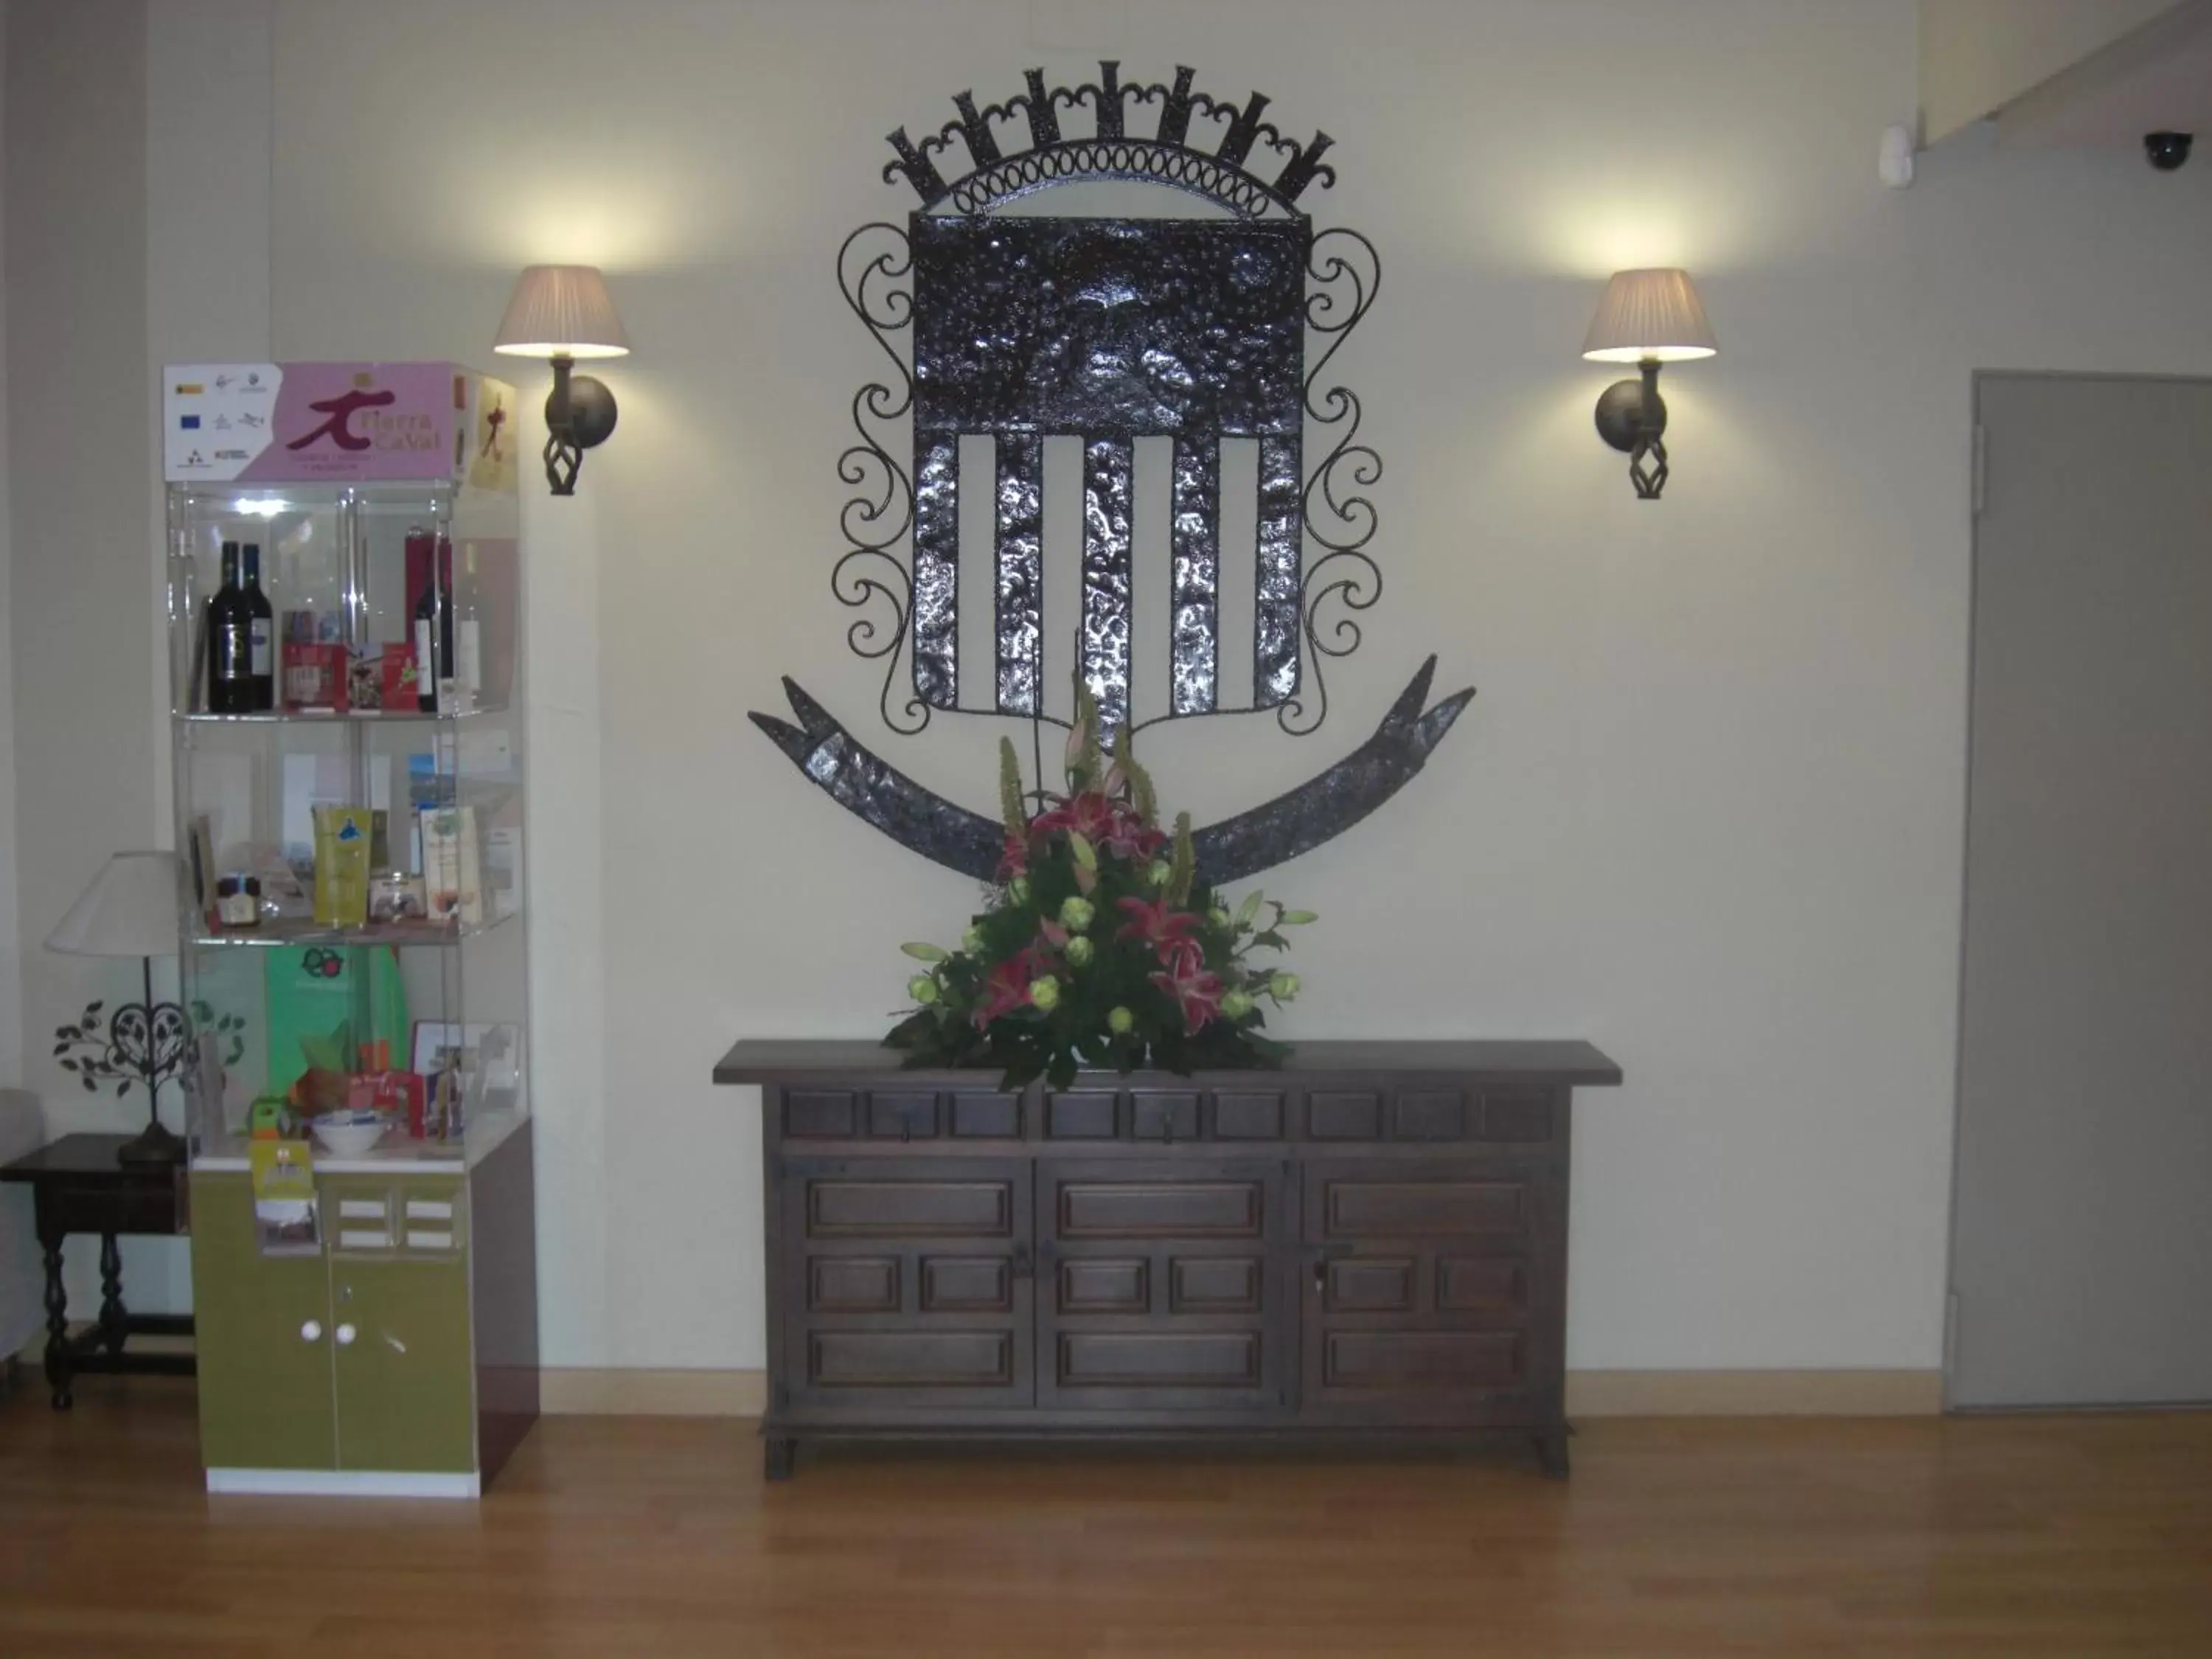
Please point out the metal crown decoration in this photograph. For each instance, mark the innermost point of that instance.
(1108, 330)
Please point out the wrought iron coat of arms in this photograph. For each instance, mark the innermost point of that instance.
(1105, 330)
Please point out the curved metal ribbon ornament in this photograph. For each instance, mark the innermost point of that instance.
(1109, 330)
(1318, 810)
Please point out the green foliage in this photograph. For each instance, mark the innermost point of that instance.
(1010, 810)
(1184, 868)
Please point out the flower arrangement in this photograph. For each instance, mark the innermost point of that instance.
(1098, 945)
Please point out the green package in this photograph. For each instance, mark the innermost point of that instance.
(324, 1001)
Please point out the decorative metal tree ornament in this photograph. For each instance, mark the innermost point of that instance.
(1108, 331)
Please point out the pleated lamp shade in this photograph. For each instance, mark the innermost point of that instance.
(130, 909)
(1652, 314)
(561, 311)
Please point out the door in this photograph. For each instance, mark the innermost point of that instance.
(1432, 1291)
(909, 1282)
(261, 1325)
(402, 1352)
(1166, 1285)
(2081, 1239)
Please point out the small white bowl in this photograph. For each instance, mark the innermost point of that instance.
(344, 1139)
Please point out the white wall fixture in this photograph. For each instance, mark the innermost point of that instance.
(564, 313)
(1647, 317)
(1894, 164)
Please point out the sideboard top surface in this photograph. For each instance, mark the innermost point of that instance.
(1573, 1063)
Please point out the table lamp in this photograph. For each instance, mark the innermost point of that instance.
(129, 910)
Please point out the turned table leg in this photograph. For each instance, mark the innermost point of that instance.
(114, 1320)
(58, 1349)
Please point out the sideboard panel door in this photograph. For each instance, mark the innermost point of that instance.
(906, 1282)
(1431, 1294)
(1165, 1283)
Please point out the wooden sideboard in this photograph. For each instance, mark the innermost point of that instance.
(1370, 1242)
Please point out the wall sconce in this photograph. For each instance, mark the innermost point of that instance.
(564, 313)
(1647, 317)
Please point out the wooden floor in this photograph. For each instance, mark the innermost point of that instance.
(2076, 1536)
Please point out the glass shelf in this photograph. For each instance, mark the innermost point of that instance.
(337, 717)
(272, 935)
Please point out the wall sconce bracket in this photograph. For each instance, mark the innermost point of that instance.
(1630, 416)
(580, 414)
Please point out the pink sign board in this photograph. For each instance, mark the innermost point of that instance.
(336, 422)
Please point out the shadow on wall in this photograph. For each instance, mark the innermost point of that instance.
(22, 1129)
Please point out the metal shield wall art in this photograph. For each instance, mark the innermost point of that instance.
(1021, 329)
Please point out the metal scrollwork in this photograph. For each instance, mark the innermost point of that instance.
(1347, 273)
(872, 263)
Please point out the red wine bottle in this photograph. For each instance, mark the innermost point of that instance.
(229, 643)
(261, 631)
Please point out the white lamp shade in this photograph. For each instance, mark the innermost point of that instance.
(1653, 314)
(130, 909)
(561, 311)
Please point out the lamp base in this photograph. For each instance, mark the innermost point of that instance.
(154, 1145)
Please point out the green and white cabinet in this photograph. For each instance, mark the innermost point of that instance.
(396, 1358)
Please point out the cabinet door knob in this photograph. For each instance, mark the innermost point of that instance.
(312, 1331)
(345, 1334)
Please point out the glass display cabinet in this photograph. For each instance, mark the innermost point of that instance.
(346, 680)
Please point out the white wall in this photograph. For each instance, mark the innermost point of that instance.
(85, 573)
(1706, 809)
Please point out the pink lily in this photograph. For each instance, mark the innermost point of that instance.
(1130, 836)
(1014, 860)
(1197, 992)
(1156, 924)
(1007, 987)
(1089, 815)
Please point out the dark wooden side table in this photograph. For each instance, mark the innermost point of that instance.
(78, 1187)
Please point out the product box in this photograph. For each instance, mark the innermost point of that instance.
(344, 423)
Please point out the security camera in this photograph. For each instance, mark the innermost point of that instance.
(2168, 150)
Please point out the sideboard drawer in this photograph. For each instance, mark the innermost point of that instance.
(902, 1116)
(985, 1116)
(1162, 1117)
(821, 1114)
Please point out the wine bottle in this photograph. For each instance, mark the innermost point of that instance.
(468, 634)
(433, 628)
(261, 631)
(230, 645)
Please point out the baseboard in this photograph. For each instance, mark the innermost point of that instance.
(341, 1483)
(618, 1393)
(566, 1391)
(1755, 1394)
